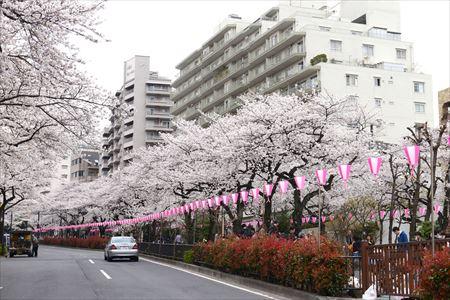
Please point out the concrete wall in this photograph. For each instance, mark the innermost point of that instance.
(396, 91)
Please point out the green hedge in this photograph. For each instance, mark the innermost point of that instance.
(298, 264)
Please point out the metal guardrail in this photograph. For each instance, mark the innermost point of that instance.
(172, 251)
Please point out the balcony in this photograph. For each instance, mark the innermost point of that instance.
(244, 48)
(158, 90)
(128, 97)
(239, 69)
(127, 143)
(154, 127)
(128, 120)
(159, 103)
(157, 115)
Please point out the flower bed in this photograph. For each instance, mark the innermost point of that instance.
(435, 276)
(92, 242)
(298, 264)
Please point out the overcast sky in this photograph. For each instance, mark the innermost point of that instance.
(168, 31)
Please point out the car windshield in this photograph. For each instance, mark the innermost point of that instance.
(122, 239)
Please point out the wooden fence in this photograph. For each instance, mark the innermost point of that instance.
(395, 268)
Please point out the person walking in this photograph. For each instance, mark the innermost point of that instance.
(35, 246)
(401, 236)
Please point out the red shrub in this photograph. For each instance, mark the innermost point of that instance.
(92, 242)
(294, 263)
(435, 276)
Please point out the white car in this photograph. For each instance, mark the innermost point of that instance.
(121, 247)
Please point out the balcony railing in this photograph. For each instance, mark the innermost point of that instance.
(252, 60)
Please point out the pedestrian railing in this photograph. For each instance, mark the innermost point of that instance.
(172, 251)
(395, 268)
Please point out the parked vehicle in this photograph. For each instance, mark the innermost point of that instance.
(21, 243)
(121, 247)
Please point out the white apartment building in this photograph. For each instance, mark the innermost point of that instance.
(147, 99)
(366, 59)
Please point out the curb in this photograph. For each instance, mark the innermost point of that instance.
(262, 286)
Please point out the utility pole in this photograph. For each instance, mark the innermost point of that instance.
(39, 223)
(11, 223)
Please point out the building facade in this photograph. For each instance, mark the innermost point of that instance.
(84, 167)
(444, 105)
(365, 59)
(142, 115)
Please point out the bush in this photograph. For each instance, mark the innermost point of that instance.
(92, 242)
(188, 256)
(318, 59)
(292, 263)
(434, 280)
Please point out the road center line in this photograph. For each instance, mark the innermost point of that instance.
(91, 261)
(105, 274)
(209, 278)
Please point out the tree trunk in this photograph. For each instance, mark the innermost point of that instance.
(2, 226)
(298, 212)
(267, 212)
(212, 215)
(189, 223)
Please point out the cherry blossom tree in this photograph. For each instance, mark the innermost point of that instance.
(45, 99)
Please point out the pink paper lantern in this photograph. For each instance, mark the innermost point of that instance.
(255, 194)
(374, 165)
(321, 176)
(234, 198)
(217, 200)
(324, 218)
(422, 210)
(412, 154)
(382, 214)
(406, 212)
(204, 204)
(283, 186)
(344, 172)
(225, 200)
(436, 208)
(300, 182)
(210, 202)
(268, 187)
(313, 219)
(244, 196)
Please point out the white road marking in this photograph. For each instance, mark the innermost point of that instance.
(209, 278)
(91, 261)
(1, 287)
(105, 274)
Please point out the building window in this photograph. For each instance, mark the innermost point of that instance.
(324, 28)
(354, 32)
(367, 50)
(419, 107)
(377, 81)
(64, 176)
(351, 79)
(419, 87)
(336, 45)
(401, 53)
(378, 102)
(64, 166)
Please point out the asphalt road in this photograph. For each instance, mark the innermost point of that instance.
(63, 273)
